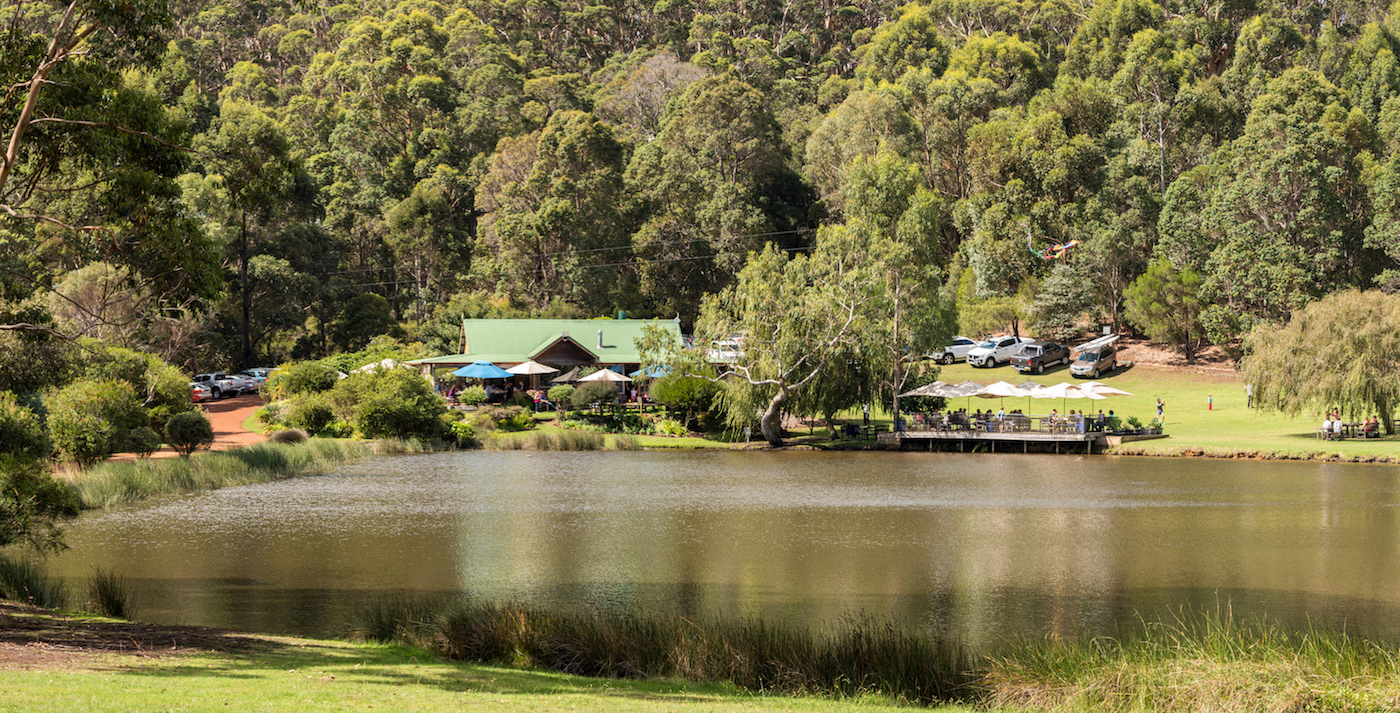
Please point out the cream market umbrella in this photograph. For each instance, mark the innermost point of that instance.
(532, 369)
(937, 388)
(605, 375)
(1065, 391)
(1101, 389)
(1001, 390)
(384, 365)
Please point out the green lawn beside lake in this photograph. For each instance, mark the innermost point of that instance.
(1227, 428)
(300, 675)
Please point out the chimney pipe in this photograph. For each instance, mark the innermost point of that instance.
(600, 339)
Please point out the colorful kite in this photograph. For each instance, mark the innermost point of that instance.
(1055, 251)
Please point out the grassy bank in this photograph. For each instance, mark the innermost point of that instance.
(111, 483)
(859, 657)
(1200, 662)
(1228, 429)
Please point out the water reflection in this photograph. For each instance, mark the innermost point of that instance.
(981, 546)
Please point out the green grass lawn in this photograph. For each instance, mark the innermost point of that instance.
(1227, 428)
(299, 675)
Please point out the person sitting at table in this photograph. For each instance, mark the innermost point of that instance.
(1052, 418)
(1337, 432)
(1372, 428)
(1100, 422)
(1327, 426)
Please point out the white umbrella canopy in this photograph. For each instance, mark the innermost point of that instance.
(966, 388)
(937, 388)
(1029, 386)
(605, 375)
(1001, 390)
(1102, 389)
(383, 365)
(531, 368)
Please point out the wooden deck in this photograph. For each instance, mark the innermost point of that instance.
(974, 440)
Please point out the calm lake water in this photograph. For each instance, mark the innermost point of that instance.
(983, 547)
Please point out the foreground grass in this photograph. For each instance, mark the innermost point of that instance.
(299, 675)
(1202, 662)
(114, 483)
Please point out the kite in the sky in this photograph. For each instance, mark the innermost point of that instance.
(1050, 253)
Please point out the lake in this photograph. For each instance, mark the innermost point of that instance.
(980, 547)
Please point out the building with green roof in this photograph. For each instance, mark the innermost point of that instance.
(561, 343)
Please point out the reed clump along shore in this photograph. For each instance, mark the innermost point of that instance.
(114, 483)
(1192, 662)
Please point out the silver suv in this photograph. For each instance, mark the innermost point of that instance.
(1093, 363)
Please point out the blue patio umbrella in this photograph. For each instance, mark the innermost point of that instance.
(482, 370)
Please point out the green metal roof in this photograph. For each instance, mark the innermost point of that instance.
(511, 341)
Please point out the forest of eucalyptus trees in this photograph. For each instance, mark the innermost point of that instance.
(223, 182)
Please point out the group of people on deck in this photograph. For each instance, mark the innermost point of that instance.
(999, 421)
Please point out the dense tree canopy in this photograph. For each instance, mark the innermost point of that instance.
(227, 183)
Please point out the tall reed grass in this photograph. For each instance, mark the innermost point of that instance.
(863, 656)
(554, 440)
(109, 594)
(115, 483)
(24, 582)
(1196, 662)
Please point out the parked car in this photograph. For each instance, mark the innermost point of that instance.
(258, 375)
(199, 392)
(1095, 362)
(220, 384)
(997, 350)
(244, 384)
(955, 351)
(1038, 355)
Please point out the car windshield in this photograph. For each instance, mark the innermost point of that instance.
(1091, 356)
(1031, 351)
(989, 344)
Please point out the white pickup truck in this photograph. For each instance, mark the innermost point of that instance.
(221, 384)
(997, 350)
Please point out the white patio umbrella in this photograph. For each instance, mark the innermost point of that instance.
(605, 375)
(531, 368)
(383, 365)
(1001, 390)
(1102, 389)
(935, 389)
(1064, 391)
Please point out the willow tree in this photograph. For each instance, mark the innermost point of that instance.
(1342, 351)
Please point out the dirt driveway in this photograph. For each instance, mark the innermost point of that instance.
(227, 418)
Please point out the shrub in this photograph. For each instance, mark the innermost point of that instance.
(560, 395)
(21, 433)
(394, 403)
(464, 434)
(592, 392)
(32, 504)
(311, 412)
(670, 427)
(269, 415)
(512, 418)
(89, 419)
(688, 395)
(143, 441)
(472, 396)
(307, 377)
(337, 429)
(186, 432)
(288, 436)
